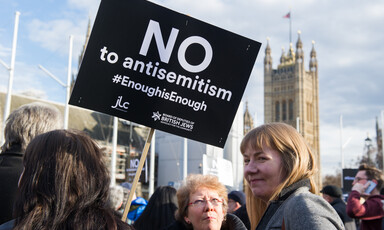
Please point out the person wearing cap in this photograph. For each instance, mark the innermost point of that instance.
(236, 205)
(333, 194)
(236, 199)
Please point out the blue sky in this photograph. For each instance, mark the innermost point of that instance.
(348, 39)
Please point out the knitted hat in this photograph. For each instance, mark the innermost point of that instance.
(237, 196)
(127, 185)
(332, 190)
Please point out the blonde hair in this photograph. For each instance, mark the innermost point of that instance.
(194, 182)
(297, 158)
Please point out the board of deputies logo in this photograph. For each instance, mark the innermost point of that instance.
(174, 121)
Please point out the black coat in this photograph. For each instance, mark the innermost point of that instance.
(243, 215)
(341, 209)
(232, 222)
(11, 167)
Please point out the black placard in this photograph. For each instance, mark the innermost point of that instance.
(348, 177)
(165, 70)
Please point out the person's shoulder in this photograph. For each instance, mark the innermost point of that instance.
(311, 211)
(7, 225)
(308, 202)
(176, 225)
(233, 222)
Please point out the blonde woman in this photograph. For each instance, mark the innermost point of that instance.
(281, 194)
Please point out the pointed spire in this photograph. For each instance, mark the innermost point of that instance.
(377, 124)
(88, 34)
(313, 61)
(291, 53)
(283, 57)
(268, 57)
(248, 120)
(299, 49)
(268, 49)
(313, 51)
(299, 44)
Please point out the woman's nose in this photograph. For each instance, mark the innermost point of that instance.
(208, 206)
(250, 168)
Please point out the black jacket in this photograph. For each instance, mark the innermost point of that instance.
(341, 209)
(11, 167)
(232, 222)
(243, 215)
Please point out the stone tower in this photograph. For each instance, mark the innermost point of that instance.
(291, 94)
(248, 120)
(88, 34)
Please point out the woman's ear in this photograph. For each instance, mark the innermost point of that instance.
(187, 220)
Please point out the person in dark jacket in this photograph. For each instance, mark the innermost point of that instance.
(22, 125)
(231, 222)
(203, 203)
(236, 199)
(160, 210)
(236, 206)
(243, 216)
(333, 194)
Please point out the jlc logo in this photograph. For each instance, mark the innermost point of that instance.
(120, 105)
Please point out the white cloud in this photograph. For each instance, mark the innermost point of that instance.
(89, 6)
(54, 35)
(4, 53)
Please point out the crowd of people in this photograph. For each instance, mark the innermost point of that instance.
(51, 178)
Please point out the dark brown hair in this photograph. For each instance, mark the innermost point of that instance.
(65, 185)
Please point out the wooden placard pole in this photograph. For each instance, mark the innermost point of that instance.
(138, 173)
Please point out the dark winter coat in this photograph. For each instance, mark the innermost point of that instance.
(341, 209)
(232, 222)
(11, 167)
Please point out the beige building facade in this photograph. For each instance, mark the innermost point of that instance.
(291, 94)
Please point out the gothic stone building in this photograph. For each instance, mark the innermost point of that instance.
(291, 94)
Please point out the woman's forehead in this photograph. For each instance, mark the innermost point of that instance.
(204, 191)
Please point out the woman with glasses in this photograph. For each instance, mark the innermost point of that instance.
(279, 168)
(203, 203)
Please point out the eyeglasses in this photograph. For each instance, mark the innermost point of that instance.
(201, 203)
(359, 179)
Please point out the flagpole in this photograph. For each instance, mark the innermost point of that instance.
(289, 16)
(290, 27)
(11, 70)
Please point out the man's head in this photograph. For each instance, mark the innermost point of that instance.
(236, 199)
(367, 173)
(116, 197)
(331, 192)
(28, 121)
